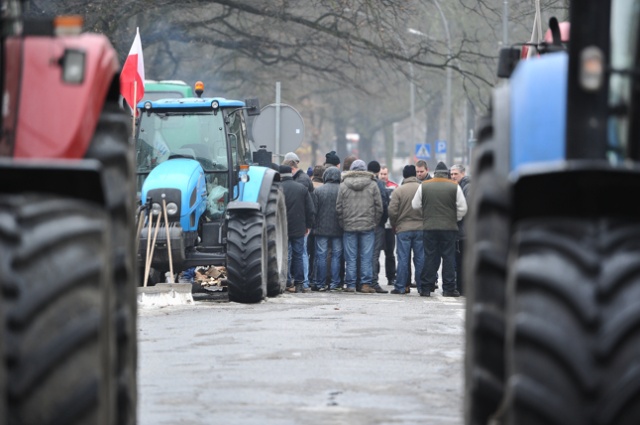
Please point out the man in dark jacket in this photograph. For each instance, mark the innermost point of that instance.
(458, 174)
(442, 204)
(300, 219)
(378, 246)
(292, 160)
(328, 233)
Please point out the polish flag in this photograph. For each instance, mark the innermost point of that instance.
(133, 72)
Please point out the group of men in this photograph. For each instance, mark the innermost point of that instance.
(346, 217)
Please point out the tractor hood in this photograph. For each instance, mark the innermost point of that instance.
(181, 181)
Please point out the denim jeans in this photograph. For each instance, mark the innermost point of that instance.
(296, 266)
(322, 247)
(389, 254)
(358, 245)
(406, 242)
(378, 246)
(439, 245)
(305, 263)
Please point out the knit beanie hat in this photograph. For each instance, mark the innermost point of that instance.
(408, 171)
(374, 167)
(441, 167)
(332, 158)
(285, 169)
(441, 170)
(358, 165)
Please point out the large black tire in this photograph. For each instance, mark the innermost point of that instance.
(110, 145)
(247, 256)
(573, 335)
(277, 236)
(484, 274)
(59, 345)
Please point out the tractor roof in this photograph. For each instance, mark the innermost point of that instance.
(191, 103)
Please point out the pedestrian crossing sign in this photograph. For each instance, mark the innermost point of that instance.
(423, 151)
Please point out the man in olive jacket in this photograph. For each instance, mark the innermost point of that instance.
(359, 208)
(442, 204)
(407, 223)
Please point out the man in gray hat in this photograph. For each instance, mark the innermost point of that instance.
(442, 204)
(359, 208)
(292, 160)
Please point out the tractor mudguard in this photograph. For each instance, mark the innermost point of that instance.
(77, 179)
(574, 189)
(258, 187)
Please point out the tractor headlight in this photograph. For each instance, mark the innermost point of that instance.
(215, 104)
(156, 208)
(172, 208)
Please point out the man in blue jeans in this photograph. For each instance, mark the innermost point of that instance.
(442, 204)
(359, 209)
(300, 218)
(407, 223)
(328, 233)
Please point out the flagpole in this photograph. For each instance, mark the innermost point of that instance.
(133, 124)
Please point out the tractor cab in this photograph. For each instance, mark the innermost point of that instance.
(207, 134)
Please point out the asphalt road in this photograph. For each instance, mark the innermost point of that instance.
(316, 358)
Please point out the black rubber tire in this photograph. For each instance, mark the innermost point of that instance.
(246, 257)
(111, 146)
(277, 237)
(573, 333)
(484, 274)
(55, 276)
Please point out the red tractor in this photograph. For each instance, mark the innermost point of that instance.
(67, 261)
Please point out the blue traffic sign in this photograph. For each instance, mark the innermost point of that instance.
(441, 146)
(423, 151)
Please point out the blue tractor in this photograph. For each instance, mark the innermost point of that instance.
(206, 203)
(552, 256)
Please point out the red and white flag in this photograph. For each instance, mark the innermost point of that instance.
(132, 75)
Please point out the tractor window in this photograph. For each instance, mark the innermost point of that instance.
(237, 128)
(200, 136)
(625, 23)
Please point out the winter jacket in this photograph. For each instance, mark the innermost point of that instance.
(401, 215)
(465, 185)
(324, 201)
(384, 194)
(442, 203)
(359, 203)
(302, 178)
(300, 210)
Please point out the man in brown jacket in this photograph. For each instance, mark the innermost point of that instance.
(407, 223)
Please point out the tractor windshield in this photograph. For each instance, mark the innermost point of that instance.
(200, 136)
(625, 32)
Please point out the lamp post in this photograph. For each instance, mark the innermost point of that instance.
(449, 101)
(448, 87)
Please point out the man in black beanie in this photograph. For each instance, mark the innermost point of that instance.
(407, 223)
(442, 204)
(332, 159)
